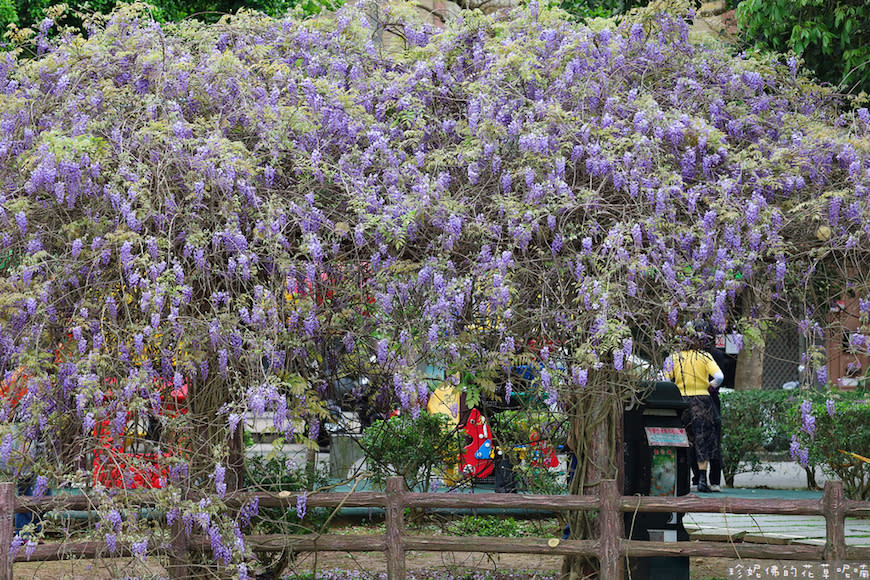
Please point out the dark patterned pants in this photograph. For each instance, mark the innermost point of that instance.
(703, 424)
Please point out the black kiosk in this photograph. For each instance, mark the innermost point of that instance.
(656, 463)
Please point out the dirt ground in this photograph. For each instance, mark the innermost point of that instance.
(534, 566)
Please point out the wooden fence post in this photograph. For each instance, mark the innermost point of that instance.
(834, 505)
(395, 528)
(611, 525)
(7, 528)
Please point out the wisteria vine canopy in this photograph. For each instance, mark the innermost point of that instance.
(250, 209)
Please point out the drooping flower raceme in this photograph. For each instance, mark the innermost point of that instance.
(808, 420)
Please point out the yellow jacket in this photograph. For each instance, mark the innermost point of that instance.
(691, 372)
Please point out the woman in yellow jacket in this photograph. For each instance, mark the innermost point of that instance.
(696, 374)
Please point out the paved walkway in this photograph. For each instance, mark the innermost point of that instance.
(785, 480)
(780, 475)
(771, 529)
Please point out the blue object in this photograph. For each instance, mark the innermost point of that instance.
(24, 518)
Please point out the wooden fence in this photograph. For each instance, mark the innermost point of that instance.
(611, 548)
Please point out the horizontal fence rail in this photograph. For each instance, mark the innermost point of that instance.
(611, 548)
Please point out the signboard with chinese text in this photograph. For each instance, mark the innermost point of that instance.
(666, 437)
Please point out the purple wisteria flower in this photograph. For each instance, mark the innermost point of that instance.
(21, 221)
(822, 374)
(808, 420)
(6, 448)
(618, 359)
(580, 376)
(139, 548)
(301, 505)
(221, 551)
(382, 352)
(17, 542)
(248, 511)
(219, 480)
(41, 486)
(113, 518)
(804, 457)
(794, 447)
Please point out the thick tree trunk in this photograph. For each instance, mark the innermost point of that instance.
(207, 433)
(750, 366)
(750, 360)
(596, 440)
